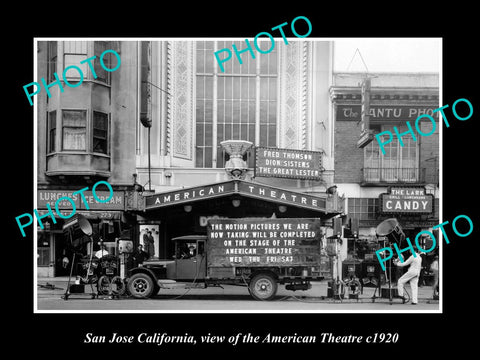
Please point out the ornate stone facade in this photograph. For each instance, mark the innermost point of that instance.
(294, 87)
(181, 103)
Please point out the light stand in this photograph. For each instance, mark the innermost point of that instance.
(390, 281)
(390, 230)
(67, 291)
(147, 122)
(339, 284)
(149, 163)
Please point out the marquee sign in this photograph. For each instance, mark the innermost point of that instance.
(406, 200)
(244, 188)
(288, 163)
(190, 194)
(256, 242)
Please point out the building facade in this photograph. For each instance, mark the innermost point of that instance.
(156, 125)
(403, 183)
(168, 129)
(85, 134)
(278, 100)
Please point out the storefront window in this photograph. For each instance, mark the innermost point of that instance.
(363, 208)
(234, 103)
(43, 249)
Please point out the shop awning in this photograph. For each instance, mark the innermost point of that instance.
(325, 203)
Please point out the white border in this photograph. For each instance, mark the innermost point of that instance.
(35, 177)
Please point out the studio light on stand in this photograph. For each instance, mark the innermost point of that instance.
(390, 231)
(147, 122)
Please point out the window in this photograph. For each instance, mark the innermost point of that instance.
(52, 60)
(43, 249)
(238, 104)
(398, 164)
(100, 132)
(76, 51)
(51, 130)
(204, 104)
(74, 129)
(102, 74)
(73, 53)
(363, 208)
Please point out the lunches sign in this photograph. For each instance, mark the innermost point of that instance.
(288, 163)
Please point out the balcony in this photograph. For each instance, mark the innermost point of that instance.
(386, 176)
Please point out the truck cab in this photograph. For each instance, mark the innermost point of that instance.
(189, 259)
(188, 264)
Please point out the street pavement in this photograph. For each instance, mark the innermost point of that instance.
(228, 298)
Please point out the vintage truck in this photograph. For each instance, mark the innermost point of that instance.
(256, 253)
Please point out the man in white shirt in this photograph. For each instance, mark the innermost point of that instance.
(411, 275)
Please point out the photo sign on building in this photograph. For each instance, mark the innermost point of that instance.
(288, 163)
(407, 200)
(383, 113)
(256, 242)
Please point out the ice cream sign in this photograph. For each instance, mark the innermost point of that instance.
(406, 200)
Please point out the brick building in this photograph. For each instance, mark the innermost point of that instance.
(378, 186)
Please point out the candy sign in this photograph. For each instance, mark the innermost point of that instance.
(406, 200)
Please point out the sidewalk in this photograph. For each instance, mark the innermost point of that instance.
(58, 285)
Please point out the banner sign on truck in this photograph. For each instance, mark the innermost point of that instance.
(258, 242)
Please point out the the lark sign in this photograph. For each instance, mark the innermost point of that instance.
(256, 242)
(406, 200)
(288, 163)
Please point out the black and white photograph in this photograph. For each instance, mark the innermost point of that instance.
(268, 175)
(220, 180)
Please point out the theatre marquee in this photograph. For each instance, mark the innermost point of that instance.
(288, 163)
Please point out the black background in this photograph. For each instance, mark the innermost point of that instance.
(54, 335)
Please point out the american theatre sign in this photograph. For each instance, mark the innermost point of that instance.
(243, 188)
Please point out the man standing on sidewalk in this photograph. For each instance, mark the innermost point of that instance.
(411, 275)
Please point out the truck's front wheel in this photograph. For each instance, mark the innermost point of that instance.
(263, 287)
(140, 286)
